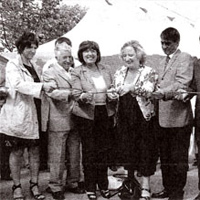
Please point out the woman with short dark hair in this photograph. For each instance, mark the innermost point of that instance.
(93, 113)
(20, 115)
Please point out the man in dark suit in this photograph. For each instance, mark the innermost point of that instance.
(175, 116)
(196, 87)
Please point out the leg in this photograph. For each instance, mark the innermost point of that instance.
(34, 160)
(85, 128)
(165, 151)
(197, 138)
(145, 188)
(4, 159)
(43, 150)
(103, 140)
(73, 165)
(179, 160)
(15, 161)
(57, 150)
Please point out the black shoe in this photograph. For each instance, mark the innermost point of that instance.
(194, 163)
(105, 194)
(81, 185)
(58, 195)
(48, 190)
(160, 195)
(6, 177)
(197, 197)
(76, 190)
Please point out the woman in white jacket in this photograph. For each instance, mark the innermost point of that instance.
(21, 114)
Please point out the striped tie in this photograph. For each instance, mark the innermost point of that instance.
(166, 62)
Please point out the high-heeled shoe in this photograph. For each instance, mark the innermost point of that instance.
(105, 194)
(145, 194)
(92, 195)
(37, 196)
(19, 197)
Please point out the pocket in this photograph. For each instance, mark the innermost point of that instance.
(21, 117)
(83, 110)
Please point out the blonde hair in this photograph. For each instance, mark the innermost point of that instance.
(140, 53)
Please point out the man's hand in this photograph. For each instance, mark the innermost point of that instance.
(158, 94)
(2, 101)
(3, 92)
(182, 95)
(49, 86)
(61, 94)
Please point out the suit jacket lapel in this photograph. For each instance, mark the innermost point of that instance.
(61, 75)
(170, 63)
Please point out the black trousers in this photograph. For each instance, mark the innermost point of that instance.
(173, 145)
(4, 158)
(95, 139)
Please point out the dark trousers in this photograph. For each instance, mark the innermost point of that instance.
(4, 158)
(43, 150)
(95, 148)
(174, 144)
(198, 161)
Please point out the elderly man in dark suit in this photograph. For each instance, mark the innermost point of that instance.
(175, 116)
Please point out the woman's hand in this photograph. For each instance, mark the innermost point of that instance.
(86, 97)
(112, 94)
(124, 89)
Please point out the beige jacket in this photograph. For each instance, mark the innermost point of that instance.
(178, 74)
(56, 114)
(18, 115)
(82, 82)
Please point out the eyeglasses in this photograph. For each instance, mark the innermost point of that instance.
(166, 43)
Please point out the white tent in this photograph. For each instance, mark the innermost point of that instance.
(112, 25)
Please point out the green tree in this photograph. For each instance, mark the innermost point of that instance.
(49, 20)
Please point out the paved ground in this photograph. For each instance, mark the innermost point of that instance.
(156, 185)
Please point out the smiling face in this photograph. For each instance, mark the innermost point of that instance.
(29, 52)
(90, 56)
(129, 57)
(64, 58)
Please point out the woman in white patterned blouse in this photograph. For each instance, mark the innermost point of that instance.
(134, 83)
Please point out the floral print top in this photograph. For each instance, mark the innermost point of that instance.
(144, 84)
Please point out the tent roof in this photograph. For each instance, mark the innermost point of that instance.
(112, 26)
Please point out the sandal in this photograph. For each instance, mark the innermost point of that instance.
(145, 194)
(20, 196)
(38, 195)
(105, 194)
(92, 195)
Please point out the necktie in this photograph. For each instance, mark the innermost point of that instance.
(166, 62)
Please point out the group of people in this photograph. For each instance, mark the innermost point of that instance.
(145, 110)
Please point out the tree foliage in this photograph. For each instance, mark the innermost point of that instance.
(49, 19)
